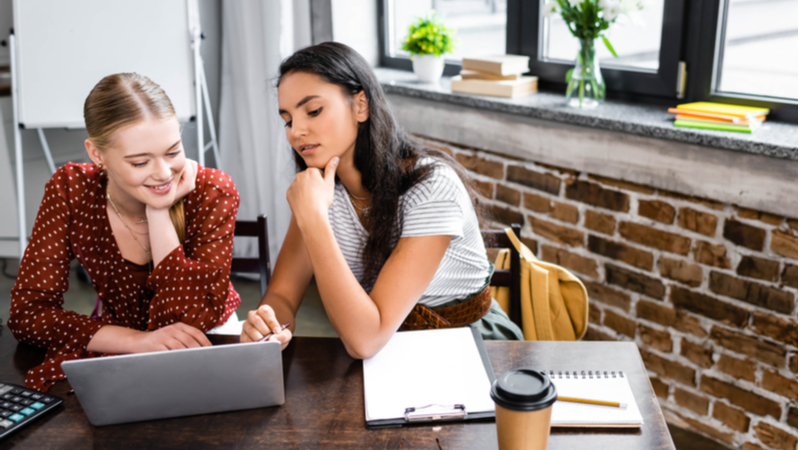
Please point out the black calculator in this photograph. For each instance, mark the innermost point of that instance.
(20, 406)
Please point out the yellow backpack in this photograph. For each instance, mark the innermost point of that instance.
(554, 305)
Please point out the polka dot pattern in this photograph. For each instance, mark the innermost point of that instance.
(191, 285)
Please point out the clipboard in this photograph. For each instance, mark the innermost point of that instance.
(417, 377)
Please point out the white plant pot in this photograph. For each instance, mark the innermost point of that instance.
(428, 68)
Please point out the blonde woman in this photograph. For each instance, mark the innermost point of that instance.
(153, 229)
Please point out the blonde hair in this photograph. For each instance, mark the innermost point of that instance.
(123, 99)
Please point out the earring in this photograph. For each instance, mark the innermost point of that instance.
(100, 166)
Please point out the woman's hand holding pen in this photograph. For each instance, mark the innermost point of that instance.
(262, 322)
(311, 193)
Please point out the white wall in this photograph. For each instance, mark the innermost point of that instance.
(6, 22)
(355, 23)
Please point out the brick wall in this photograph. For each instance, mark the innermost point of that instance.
(708, 291)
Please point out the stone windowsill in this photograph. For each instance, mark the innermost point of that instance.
(773, 139)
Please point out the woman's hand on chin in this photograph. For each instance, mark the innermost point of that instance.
(311, 193)
(180, 188)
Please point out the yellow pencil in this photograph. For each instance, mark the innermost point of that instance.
(593, 402)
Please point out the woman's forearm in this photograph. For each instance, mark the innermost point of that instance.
(163, 237)
(114, 339)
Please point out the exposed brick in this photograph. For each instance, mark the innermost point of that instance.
(660, 388)
(710, 430)
(734, 418)
(530, 243)
(438, 145)
(602, 293)
(758, 215)
(773, 381)
(697, 353)
(628, 186)
(772, 354)
(739, 368)
(708, 306)
(596, 195)
(602, 223)
(594, 333)
(620, 323)
(775, 437)
(564, 170)
(745, 235)
(556, 233)
(711, 254)
(621, 252)
(751, 292)
(485, 188)
(697, 221)
(791, 417)
(667, 316)
(571, 261)
(789, 276)
(679, 270)
(691, 401)
(668, 369)
(474, 163)
(537, 180)
(792, 223)
(536, 203)
(657, 339)
(753, 267)
(565, 212)
(700, 201)
(651, 237)
(793, 363)
(634, 281)
(594, 314)
(740, 397)
(506, 216)
(752, 446)
(508, 195)
(784, 244)
(657, 210)
(774, 327)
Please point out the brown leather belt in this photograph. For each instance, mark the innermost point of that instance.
(462, 314)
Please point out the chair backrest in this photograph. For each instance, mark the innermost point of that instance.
(254, 228)
(510, 278)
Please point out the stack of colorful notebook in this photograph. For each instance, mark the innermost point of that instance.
(498, 75)
(717, 116)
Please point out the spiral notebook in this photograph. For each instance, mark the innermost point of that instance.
(608, 386)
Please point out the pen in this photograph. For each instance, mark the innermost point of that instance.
(283, 327)
(593, 402)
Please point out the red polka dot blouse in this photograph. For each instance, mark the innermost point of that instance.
(191, 285)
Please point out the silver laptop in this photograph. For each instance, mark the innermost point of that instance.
(146, 386)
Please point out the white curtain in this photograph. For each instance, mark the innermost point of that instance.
(256, 36)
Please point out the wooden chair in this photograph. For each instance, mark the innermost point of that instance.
(254, 228)
(509, 278)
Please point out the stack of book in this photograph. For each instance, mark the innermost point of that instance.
(498, 75)
(717, 116)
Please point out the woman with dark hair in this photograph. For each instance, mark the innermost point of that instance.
(385, 225)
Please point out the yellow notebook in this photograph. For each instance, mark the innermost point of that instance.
(719, 108)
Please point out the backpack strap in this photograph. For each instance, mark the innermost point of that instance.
(539, 289)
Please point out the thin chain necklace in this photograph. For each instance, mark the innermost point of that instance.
(358, 205)
(124, 222)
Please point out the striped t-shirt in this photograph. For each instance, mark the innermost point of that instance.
(439, 205)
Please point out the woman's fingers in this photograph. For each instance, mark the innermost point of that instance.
(266, 313)
(194, 334)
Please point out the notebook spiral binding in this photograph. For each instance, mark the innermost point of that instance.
(585, 374)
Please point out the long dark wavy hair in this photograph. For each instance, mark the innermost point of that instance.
(385, 155)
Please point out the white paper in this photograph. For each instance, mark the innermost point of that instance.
(419, 368)
(607, 389)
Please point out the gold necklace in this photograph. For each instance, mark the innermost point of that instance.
(124, 222)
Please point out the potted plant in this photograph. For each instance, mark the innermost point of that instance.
(428, 41)
(587, 20)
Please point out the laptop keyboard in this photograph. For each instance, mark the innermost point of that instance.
(20, 406)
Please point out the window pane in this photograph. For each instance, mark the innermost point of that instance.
(759, 56)
(480, 24)
(635, 37)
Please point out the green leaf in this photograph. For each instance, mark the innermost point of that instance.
(569, 75)
(608, 46)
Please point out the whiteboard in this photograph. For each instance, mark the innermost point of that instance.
(65, 47)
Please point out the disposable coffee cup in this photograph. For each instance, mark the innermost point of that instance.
(523, 402)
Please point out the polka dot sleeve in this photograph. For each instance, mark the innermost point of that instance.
(192, 283)
(36, 315)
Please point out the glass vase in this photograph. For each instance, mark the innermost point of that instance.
(585, 85)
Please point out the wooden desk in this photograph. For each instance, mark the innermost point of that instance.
(325, 406)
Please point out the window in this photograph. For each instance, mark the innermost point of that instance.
(742, 51)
